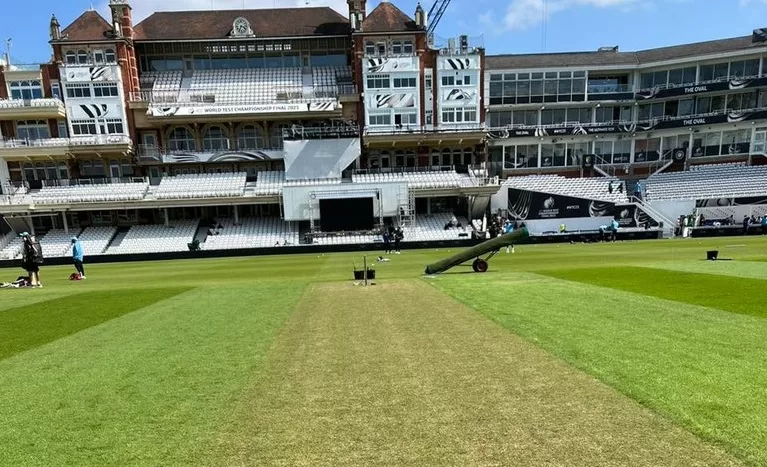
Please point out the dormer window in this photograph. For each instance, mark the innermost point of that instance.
(110, 56)
(396, 48)
(407, 47)
(98, 57)
(71, 58)
(370, 48)
(381, 46)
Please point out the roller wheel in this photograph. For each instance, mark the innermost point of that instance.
(479, 265)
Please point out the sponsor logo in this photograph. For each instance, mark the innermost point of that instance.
(694, 89)
(694, 121)
(573, 207)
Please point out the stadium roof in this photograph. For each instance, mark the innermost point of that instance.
(388, 18)
(273, 22)
(614, 58)
(90, 26)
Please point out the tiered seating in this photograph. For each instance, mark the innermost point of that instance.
(346, 239)
(589, 188)
(435, 179)
(12, 250)
(252, 233)
(326, 80)
(94, 240)
(202, 185)
(251, 86)
(91, 193)
(432, 228)
(709, 181)
(269, 182)
(156, 238)
(56, 243)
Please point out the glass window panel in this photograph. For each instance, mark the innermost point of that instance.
(706, 72)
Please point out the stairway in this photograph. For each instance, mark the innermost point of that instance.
(307, 82)
(118, 238)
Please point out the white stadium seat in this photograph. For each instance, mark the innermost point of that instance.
(252, 233)
(202, 186)
(709, 181)
(597, 188)
(156, 238)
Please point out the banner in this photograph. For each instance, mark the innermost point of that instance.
(208, 110)
(532, 205)
(732, 85)
(584, 130)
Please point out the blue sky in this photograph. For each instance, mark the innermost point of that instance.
(506, 26)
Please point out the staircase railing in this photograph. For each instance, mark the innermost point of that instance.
(668, 224)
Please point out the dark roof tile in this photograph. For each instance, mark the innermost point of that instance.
(277, 22)
(90, 26)
(388, 18)
(642, 57)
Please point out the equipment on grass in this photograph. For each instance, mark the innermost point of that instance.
(712, 255)
(479, 264)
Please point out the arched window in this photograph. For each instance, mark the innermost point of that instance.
(32, 129)
(181, 139)
(215, 139)
(82, 57)
(250, 137)
(276, 135)
(110, 56)
(71, 57)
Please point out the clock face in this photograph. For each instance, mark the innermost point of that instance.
(241, 26)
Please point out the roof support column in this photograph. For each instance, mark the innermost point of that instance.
(66, 225)
(236, 214)
(165, 215)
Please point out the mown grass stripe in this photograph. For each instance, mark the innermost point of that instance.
(400, 374)
(734, 294)
(701, 367)
(26, 327)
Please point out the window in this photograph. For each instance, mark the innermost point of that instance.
(553, 116)
(429, 116)
(396, 47)
(250, 137)
(686, 107)
(215, 139)
(379, 119)
(428, 80)
(404, 82)
(70, 57)
(78, 90)
(650, 111)
(26, 89)
(104, 90)
(579, 114)
(110, 56)
(82, 57)
(32, 129)
(735, 142)
(84, 127)
(405, 118)
(112, 126)
(275, 132)
(61, 125)
(448, 81)
(681, 76)
(56, 90)
(381, 46)
(407, 47)
(467, 80)
(370, 48)
(98, 56)
(181, 139)
(459, 115)
(448, 116)
(378, 82)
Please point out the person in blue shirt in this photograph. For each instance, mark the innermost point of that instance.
(614, 225)
(77, 256)
(508, 228)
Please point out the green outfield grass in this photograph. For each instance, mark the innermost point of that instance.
(625, 354)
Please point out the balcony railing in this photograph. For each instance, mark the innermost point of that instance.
(697, 83)
(197, 98)
(152, 153)
(425, 129)
(350, 130)
(22, 103)
(610, 88)
(95, 140)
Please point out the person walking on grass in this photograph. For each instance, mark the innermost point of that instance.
(77, 256)
(32, 258)
(507, 229)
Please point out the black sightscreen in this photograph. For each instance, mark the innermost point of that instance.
(346, 214)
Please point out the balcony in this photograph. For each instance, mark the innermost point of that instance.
(13, 109)
(24, 149)
(152, 155)
(702, 87)
(610, 92)
(460, 133)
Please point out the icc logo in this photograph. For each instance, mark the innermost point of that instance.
(549, 203)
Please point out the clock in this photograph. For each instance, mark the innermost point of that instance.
(241, 27)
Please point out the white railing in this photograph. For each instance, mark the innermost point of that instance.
(699, 83)
(21, 103)
(94, 140)
(442, 128)
(193, 98)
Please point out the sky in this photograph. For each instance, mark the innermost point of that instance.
(503, 26)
